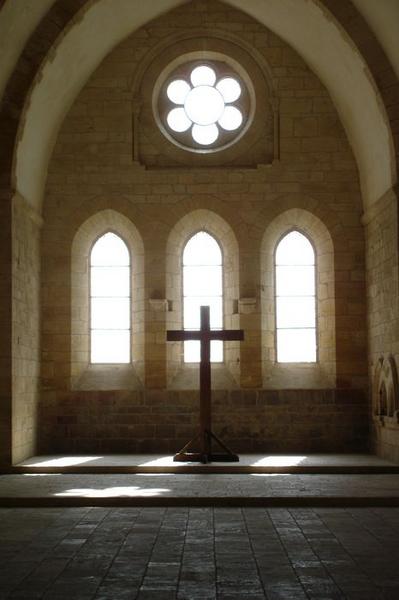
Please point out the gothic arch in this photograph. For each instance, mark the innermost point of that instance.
(322, 373)
(215, 225)
(94, 227)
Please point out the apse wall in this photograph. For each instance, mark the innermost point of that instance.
(383, 302)
(26, 229)
(110, 154)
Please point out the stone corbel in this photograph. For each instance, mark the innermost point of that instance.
(246, 306)
(159, 304)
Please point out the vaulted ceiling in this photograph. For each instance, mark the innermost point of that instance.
(49, 48)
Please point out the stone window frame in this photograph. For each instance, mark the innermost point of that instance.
(244, 59)
(85, 237)
(181, 68)
(212, 223)
(322, 373)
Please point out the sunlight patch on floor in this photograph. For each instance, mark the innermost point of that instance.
(114, 492)
(279, 461)
(163, 461)
(65, 461)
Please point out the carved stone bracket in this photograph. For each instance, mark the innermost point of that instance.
(246, 306)
(159, 304)
(386, 391)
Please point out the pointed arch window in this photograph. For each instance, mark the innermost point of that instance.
(295, 299)
(202, 285)
(110, 301)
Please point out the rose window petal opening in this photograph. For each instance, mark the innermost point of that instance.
(203, 75)
(231, 118)
(178, 120)
(205, 134)
(177, 91)
(204, 105)
(229, 88)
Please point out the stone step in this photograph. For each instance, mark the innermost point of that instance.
(201, 501)
(184, 469)
(199, 489)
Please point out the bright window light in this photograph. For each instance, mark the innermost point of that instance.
(110, 300)
(178, 120)
(295, 299)
(229, 88)
(202, 286)
(205, 134)
(202, 104)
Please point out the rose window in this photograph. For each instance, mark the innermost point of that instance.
(205, 107)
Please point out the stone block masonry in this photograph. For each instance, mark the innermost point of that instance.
(163, 421)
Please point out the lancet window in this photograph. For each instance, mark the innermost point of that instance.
(110, 301)
(295, 300)
(202, 285)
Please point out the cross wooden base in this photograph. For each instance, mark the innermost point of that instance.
(205, 455)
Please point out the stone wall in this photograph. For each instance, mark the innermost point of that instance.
(383, 303)
(164, 421)
(5, 328)
(26, 329)
(106, 158)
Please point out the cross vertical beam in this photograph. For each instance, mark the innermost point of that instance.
(205, 436)
(205, 379)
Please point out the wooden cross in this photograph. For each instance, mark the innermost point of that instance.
(205, 335)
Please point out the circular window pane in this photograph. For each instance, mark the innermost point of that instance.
(204, 105)
(177, 91)
(231, 118)
(205, 135)
(203, 75)
(178, 120)
(229, 88)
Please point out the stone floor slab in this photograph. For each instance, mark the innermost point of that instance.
(360, 569)
(199, 490)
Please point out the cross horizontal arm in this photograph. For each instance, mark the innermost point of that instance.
(227, 335)
(182, 336)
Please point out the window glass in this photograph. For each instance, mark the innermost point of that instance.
(202, 286)
(110, 302)
(295, 299)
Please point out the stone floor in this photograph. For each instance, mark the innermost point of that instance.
(199, 553)
(34, 487)
(200, 535)
(255, 460)
(198, 490)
